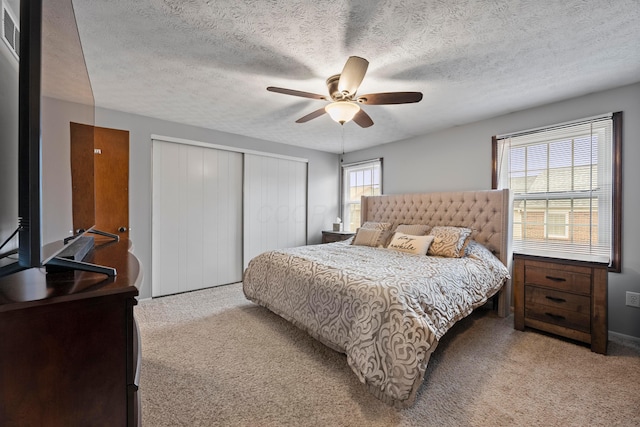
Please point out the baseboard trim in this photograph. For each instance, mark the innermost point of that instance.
(626, 340)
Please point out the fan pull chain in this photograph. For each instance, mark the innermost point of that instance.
(342, 156)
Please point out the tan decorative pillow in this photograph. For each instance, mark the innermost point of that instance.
(376, 225)
(411, 244)
(385, 231)
(448, 241)
(413, 229)
(366, 237)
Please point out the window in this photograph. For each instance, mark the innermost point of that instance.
(565, 182)
(557, 225)
(359, 179)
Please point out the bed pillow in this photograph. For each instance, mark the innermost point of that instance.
(385, 231)
(376, 225)
(449, 241)
(413, 229)
(367, 237)
(411, 244)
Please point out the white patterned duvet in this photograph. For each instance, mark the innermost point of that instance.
(386, 310)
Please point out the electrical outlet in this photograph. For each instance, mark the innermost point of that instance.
(633, 299)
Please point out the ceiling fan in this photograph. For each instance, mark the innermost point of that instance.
(344, 104)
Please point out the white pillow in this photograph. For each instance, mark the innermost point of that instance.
(418, 245)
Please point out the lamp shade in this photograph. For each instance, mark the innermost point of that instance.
(342, 111)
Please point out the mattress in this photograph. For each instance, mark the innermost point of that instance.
(386, 310)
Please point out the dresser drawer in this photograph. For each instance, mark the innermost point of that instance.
(566, 280)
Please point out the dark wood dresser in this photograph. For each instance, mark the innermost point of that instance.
(563, 297)
(69, 345)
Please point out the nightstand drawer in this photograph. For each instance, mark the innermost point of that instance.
(557, 316)
(557, 299)
(566, 280)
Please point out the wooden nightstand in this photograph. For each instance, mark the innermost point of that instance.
(564, 297)
(335, 236)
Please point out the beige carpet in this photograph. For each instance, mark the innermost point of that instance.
(212, 358)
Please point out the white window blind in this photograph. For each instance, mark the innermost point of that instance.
(359, 179)
(561, 178)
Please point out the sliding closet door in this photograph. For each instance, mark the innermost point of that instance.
(197, 217)
(275, 204)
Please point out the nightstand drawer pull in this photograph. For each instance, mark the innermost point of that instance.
(554, 299)
(556, 279)
(555, 316)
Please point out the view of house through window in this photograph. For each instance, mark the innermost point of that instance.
(359, 179)
(561, 179)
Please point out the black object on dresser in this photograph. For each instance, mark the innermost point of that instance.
(69, 344)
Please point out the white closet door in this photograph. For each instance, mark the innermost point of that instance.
(275, 204)
(196, 219)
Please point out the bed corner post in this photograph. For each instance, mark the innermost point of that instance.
(505, 296)
(363, 209)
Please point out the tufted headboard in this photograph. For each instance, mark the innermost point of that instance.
(485, 212)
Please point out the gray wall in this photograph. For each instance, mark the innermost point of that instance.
(459, 158)
(323, 175)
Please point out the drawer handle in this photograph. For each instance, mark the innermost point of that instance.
(554, 299)
(555, 316)
(556, 279)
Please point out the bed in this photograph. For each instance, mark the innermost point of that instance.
(385, 308)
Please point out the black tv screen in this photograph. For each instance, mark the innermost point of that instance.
(46, 69)
(9, 136)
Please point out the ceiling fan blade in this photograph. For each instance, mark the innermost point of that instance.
(388, 98)
(296, 93)
(310, 116)
(352, 74)
(362, 119)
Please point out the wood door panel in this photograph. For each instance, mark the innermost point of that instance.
(111, 162)
(100, 178)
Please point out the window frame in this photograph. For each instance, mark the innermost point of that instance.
(615, 264)
(344, 168)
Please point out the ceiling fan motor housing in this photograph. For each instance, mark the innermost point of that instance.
(334, 92)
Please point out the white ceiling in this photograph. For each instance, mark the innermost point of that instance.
(208, 62)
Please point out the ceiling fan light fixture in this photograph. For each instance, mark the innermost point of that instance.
(342, 111)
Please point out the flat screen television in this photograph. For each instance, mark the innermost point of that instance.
(41, 68)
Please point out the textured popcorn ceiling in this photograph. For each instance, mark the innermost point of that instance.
(208, 62)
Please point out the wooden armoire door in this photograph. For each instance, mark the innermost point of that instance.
(110, 176)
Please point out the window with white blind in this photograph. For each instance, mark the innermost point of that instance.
(359, 179)
(565, 182)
